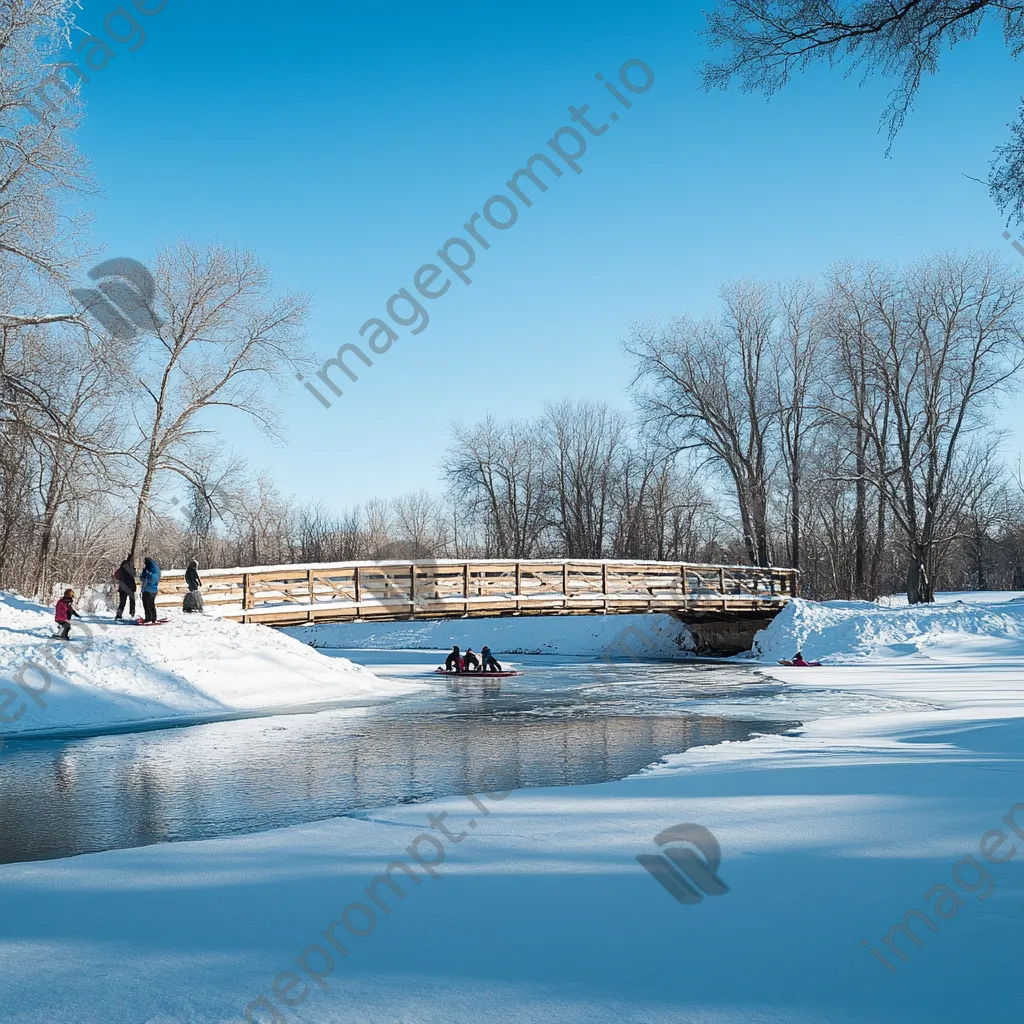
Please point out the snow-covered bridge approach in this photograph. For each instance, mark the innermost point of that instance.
(289, 595)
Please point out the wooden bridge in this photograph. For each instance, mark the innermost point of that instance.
(291, 595)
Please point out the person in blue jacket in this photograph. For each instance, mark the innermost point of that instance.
(150, 580)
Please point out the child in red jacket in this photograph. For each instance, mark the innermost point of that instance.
(65, 610)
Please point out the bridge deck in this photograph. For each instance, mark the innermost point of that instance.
(442, 588)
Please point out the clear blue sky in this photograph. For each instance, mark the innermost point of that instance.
(345, 143)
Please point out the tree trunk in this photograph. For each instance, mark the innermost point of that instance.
(920, 588)
(794, 556)
(140, 512)
(860, 519)
(878, 552)
(50, 510)
(979, 557)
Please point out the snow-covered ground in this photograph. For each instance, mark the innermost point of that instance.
(192, 668)
(898, 834)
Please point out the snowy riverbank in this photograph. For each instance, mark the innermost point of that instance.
(616, 636)
(193, 668)
(899, 833)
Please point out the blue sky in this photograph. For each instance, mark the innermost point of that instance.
(345, 143)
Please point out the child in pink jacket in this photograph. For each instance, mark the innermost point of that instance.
(64, 611)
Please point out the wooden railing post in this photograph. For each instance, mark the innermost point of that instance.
(412, 588)
(356, 588)
(721, 582)
(682, 573)
(519, 584)
(309, 579)
(565, 584)
(246, 595)
(465, 585)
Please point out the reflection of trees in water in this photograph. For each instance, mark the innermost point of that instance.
(144, 793)
(246, 776)
(63, 772)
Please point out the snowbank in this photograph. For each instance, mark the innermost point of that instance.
(193, 668)
(851, 632)
(638, 636)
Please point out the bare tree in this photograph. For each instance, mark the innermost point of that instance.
(988, 510)
(797, 372)
(857, 409)
(349, 536)
(225, 342)
(57, 412)
(943, 339)
(709, 387)
(262, 525)
(496, 471)
(378, 529)
(767, 41)
(583, 442)
(659, 512)
(39, 165)
(76, 435)
(417, 520)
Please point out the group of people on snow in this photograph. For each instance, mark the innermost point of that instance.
(148, 581)
(469, 662)
(129, 583)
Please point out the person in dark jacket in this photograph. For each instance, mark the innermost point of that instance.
(126, 586)
(150, 580)
(471, 662)
(193, 601)
(64, 612)
(453, 663)
(488, 663)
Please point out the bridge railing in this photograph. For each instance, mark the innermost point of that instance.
(449, 588)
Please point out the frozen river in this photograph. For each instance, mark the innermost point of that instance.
(564, 722)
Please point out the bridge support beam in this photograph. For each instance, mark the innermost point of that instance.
(718, 636)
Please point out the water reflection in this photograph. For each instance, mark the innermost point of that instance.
(111, 792)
